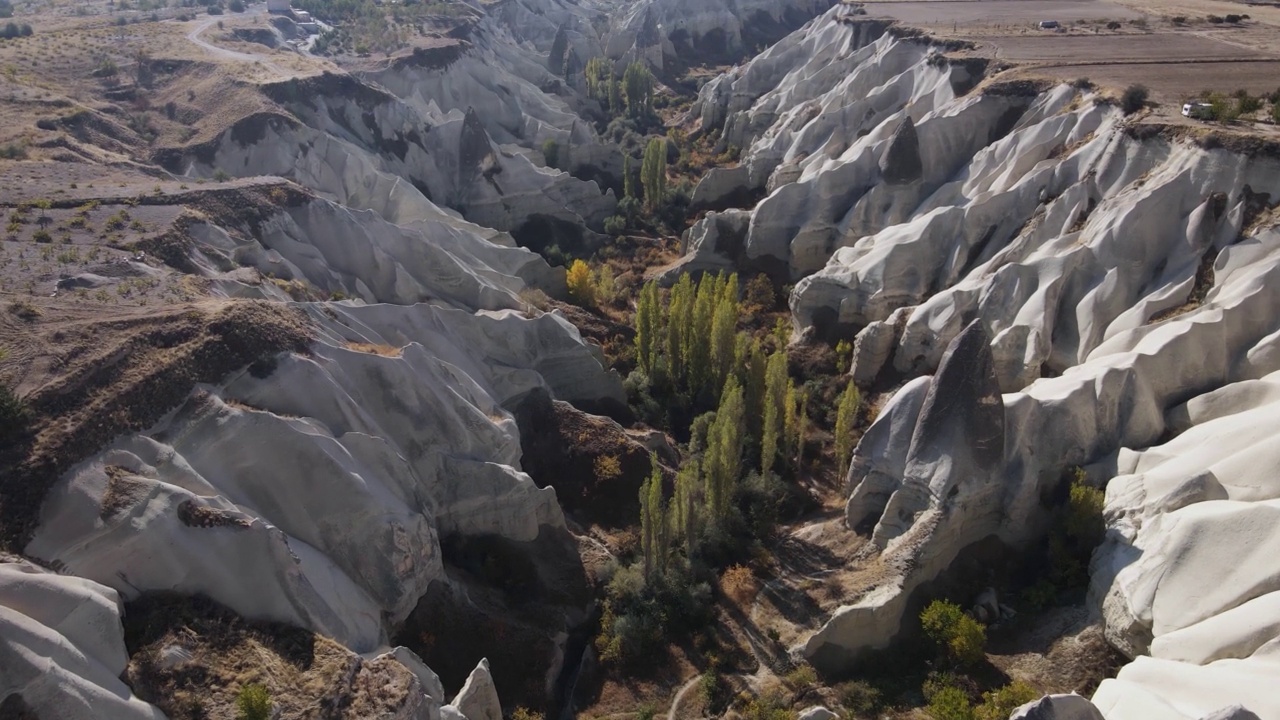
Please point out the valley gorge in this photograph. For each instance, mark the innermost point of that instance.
(356, 397)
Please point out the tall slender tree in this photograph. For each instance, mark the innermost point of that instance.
(723, 325)
(846, 417)
(774, 415)
(679, 322)
(722, 463)
(653, 173)
(647, 326)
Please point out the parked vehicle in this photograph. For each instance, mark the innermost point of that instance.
(1198, 110)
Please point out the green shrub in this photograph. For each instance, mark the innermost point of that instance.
(950, 703)
(13, 416)
(1000, 704)
(960, 638)
(1084, 522)
(769, 706)
(801, 678)
(615, 225)
(639, 617)
(859, 697)
(253, 703)
(1134, 99)
(551, 151)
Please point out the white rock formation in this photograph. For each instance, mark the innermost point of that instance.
(1188, 578)
(478, 698)
(62, 647)
(1114, 272)
(366, 148)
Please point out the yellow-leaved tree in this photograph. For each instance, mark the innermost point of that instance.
(582, 289)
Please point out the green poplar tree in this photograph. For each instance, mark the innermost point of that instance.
(653, 173)
(637, 87)
(679, 320)
(723, 459)
(723, 330)
(774, 401)
(698, 341)
(647, 326)
(846, 417)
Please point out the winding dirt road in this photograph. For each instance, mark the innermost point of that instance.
(224, 53)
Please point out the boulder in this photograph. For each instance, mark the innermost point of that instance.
(1058, 707)
(816, 712)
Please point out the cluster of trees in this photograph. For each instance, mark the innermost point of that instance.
(631, 95)
(748, 414)
(1226, 108)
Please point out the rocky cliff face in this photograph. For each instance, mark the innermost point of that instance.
(1027, 240)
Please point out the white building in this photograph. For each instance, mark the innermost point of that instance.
(278, 6)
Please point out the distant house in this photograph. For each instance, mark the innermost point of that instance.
(278, 6)
(1048, 24)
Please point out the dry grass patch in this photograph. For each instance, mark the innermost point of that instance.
(375, 349)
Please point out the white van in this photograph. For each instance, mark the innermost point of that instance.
(1198, 110)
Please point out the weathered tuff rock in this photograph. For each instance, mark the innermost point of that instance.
(62, 647)
(935, 489)
(1115, 272)
(322, 488)
(714, 243)
(366, 148)
(658, 31)
(478, 698)
(1187, 576)
(392, 448)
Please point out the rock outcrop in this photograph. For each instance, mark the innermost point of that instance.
(1058, 707)
(934, 488)
(62, 648)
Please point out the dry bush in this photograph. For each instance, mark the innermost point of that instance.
(739, 584)
(374, 349)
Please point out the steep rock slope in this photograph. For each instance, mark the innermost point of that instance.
(364, 147)
(323, 486)
(1023, 239)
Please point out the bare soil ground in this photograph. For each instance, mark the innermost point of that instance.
(1004, 13)
(191, 657)
(1115, 48)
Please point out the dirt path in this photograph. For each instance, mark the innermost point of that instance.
(675, 703)
(221, 52)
